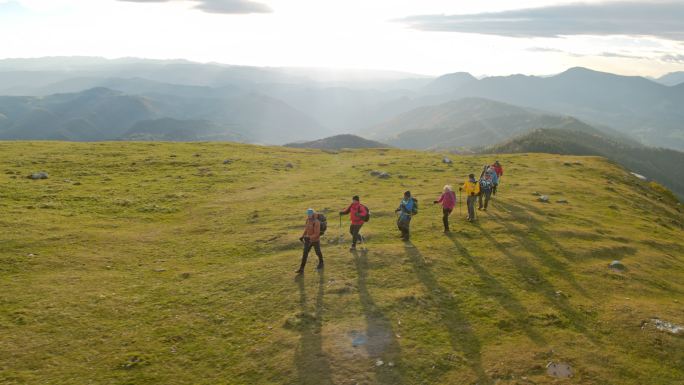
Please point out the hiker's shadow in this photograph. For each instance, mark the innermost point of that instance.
(381, 341)
(461, 334)
(493, 288)
(537, 282)
(534, 227)
(312, 363)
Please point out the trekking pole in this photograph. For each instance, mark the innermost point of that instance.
(460, 203)
(339, 239)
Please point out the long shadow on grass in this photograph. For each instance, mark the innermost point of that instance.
(461, 334)
(312, 364)
(541, 285)
(534, 227)
(381, 338)
(506, 299)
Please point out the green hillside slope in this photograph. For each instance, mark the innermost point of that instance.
(149, 263)
(656, 163)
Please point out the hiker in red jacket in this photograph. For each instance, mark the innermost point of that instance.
(448, 202)
(499, 173)
(357, 212)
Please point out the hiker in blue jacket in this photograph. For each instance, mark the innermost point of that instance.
(486, 188)
(407, 208)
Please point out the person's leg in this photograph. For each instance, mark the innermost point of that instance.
(471, 207)
(319, 253)
(305, 255)
(403, 226)
(445, 219)
(354, 229)
(479, 200)
(488, 196)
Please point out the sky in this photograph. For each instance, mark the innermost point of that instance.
(430, 37)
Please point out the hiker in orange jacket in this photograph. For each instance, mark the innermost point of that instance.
(357, 212)
(311, 238)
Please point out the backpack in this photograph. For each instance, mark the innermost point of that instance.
(366, 217)
(324, 222)
(485, 184)
(414, 211)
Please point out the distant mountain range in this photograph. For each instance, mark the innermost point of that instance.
(659, 164)
(326, 102)
(466, 123)
(338, 142)
(672, 79)
(105, 114)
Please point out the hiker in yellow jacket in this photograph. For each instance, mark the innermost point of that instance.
(472, 189)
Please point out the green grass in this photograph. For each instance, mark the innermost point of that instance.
(151, 263)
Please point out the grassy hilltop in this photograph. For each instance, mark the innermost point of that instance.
(151, 263)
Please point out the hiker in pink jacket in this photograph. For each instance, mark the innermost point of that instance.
(448, 202)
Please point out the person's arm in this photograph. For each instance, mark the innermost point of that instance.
(316, 231)
(345, 211)
(440, 200)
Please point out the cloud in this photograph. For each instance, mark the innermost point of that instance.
(661, 19)
(673, 58)
(219, 6)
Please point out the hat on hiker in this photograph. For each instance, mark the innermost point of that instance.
(356, 198)
(407, 193)
(471, 176)
(447, 187)
(310, 212)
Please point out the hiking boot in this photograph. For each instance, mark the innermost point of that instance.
(300, 271)
(352, 248)
(320, 266)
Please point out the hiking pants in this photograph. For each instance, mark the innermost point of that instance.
(471, 206)
(403, 225)
(445, 218)
(354, 231)
(487, 194)
(307, 247)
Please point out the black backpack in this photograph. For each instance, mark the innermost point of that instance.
(366, 217)
(324, 222)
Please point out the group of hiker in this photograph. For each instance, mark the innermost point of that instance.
(476, 190)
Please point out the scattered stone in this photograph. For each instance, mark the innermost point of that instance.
(379, 363)
(196, 155)
(536, 193)
(617, 265)
(38, 175)
(567, 164)
(380, 174)
(30, 255)
(544, 199)
(77, 183)
(446, 160)
(562, 201)
(159, 270)
(639, 176)
(289, 165)
(228, 161)
(665, 326)
(185, 275)
(559, 370)
(613, 207)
